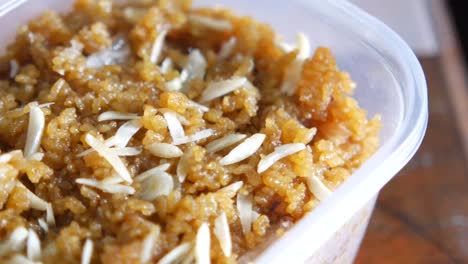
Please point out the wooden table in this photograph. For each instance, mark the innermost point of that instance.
(422, 215)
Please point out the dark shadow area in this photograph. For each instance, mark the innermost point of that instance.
(460, 17)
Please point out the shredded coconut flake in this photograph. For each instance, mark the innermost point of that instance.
(194, 69)
(221, 88)
(212, 23)
(176, 254)
(106, 187)
(125, 152)
(318, 189)
(165, 150)
(15, 242)
(303, 46)
(27, 109)
(19, 235)
(161, 168)
(113, 115)
(33, 246)
(50, 218)
(183, 167)
(35, 129)
(45, 105)
(202, 134)
(286, 47)
(244, 206)
(124, 134)
(244, 150)
(37, 156)
(43, 225)
(221, 230)
(107, 154)
(173, 124)
(148, 245)
(180, 117)
(84, 153)
(39, 204)
(196, 65)
(158, 184)
(7, 157)
(200, 107)
(166, 65)
(121, 138)
(116, 54)
(177, 83)
(279, 41)
(189, 259)
(310, 136)
(114, 179)
(158, 46)
(36, 202)
(227, 48)
(87, 252)
(294, 71)
(202, 245)
(292, 77)
(224, 142)
(255, 215)
(279, 153)
(232, 188)
(14, 68)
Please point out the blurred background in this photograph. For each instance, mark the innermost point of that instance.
(422, 215)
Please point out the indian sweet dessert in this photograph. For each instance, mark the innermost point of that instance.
(153, 132)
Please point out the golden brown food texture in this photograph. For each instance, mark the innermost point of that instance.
(154, 60)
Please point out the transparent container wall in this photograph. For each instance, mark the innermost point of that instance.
(15, 13)
(344, 244)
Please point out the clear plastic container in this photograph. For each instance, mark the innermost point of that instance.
(390, 82)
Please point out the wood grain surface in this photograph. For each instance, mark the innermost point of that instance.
(422, 215)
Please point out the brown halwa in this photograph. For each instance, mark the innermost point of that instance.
(128, 131)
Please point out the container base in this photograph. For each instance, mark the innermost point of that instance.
(343, 246)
